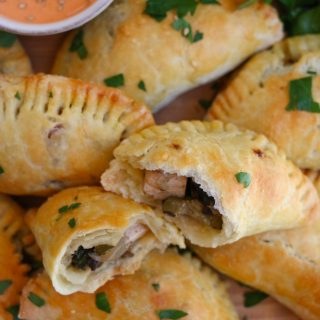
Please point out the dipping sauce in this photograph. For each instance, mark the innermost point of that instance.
(42, 11)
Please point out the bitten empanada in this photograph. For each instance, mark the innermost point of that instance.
(57, 132)
(164, 282)
(13, 58)
(152, 61)
(284, 264)
(88, 236)
(214, 181)
(258, 95)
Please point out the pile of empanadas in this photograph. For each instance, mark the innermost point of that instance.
(131, 218)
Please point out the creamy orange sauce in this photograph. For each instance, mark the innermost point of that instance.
(42, 11)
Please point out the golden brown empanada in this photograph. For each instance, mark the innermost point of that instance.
(57, 132)
(214, 181)
(87, 236)
(257, 96)
(285, 264)
(164, 282)
(156, 61)
(12, 273)
(13, 58)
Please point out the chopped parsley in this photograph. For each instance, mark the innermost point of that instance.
(78, 46)
(180, 24)
(17, 95)
(7, 39)
(243, 178)
(72, 223)
(251, 2)
(4, 285)
(311, 72)
(50, 94)
(156, 286)
(14, 311)
(36, 300)
(142, 85)
(1, 170)
(252, 298)
(115, 81)
(171, 314)
(67, 208)
(300, 93)
(102, 302)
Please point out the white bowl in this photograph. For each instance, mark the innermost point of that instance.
(54, 27)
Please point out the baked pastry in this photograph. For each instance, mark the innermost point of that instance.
(168, 281)
(95, 235)
(160, 62)
(284, 264)
(13, 58)
(215, 182)
(257, 98)
(12, 274)
(61, 131)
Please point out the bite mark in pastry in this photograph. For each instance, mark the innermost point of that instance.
(96, 235)
(193, 172)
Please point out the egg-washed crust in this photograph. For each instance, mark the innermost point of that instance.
(14, 60)
(212, 153)
(61, 131)
(284, 264)
(257, 96)
(184, 284)
(159, 55)
(100, 218)
(11, 268)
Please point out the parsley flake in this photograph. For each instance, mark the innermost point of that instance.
(67, 208)
(171, 314)
(251, 2)
(115, 81)
(252, 298)
(209, 1)
(142, 85)
(72, 223)
(4, 285)
(78, 46)
(300, 93)
(243, 178)
(102, 302)
(36, 300)
(156, 286)
(1, 170)
(14, 311)
(180, 24)
(17, 95)
(7, 39)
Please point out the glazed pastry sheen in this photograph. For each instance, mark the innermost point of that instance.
(152, 166)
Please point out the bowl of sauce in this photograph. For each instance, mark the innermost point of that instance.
(42, 17)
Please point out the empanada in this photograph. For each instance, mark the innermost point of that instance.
(214, 181)
(152, 61)
(164, 282)
(87, 236)
(257, 96)
(13, 58)
(57, 132)
(285, 264)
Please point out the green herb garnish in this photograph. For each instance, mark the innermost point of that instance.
(180, 24)
(251, 2)
(254, 297)
(1, 170)
(142, 85)
(78, 46)
(300, 93)
(4, 285)
(307, 22)
(14, 311)
(36, 300)
(72, 223)
(67, 208)
(102, 302)
(115, 81)
(17, 95)
(171, 314)
(7, 39)
(50, 94)
(243, 178)
(156, 286)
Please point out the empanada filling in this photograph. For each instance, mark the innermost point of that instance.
(95, 257)
(182, 196)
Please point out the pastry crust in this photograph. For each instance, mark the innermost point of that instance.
(212, 153)
(284, 264)
(159, 55)
(14, 60)
(11, 269)
(257, 96)
(184, 284)
(61, 131)
(100, 219)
